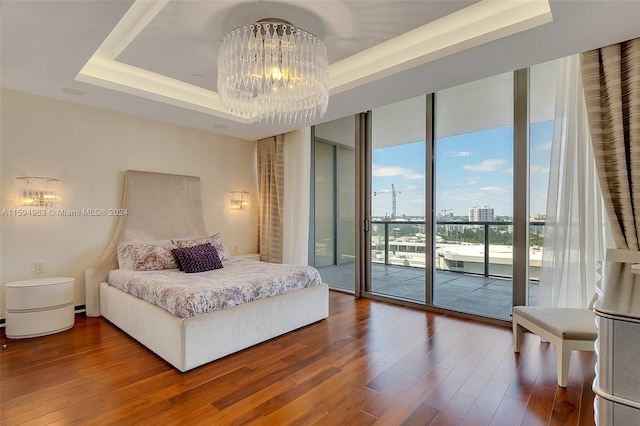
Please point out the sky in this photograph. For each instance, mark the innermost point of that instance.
(474, 169)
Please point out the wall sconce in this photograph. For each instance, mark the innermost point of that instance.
(35, 191)
(239, 200)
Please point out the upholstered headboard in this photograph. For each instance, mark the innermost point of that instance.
(159, 207)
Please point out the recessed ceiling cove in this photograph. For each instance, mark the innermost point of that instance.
(183, 38)
(145, 58)
(158, 46)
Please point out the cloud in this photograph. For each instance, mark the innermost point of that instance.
(458, 153)
(389, 171)
(485, 166)
(473, 180)
(497, 189)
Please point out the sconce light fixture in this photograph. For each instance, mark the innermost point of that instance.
(35, 191)
(239, 200)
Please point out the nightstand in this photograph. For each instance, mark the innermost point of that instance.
(251, 256)
(39, 307)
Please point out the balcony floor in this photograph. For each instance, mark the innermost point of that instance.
(489, 296)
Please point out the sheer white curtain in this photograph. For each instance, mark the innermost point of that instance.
(297, 184)
(573, 239)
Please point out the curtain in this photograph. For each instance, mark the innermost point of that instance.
(270, 152)
(573, 238)
(297, 184)
(611, 78)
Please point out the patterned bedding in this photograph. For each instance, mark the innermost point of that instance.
(239, 281)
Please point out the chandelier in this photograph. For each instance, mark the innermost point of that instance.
(274, 71)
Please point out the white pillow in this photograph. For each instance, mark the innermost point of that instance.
(125, 249)
(215, 240)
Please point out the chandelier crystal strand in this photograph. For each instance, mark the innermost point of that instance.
(273, 71)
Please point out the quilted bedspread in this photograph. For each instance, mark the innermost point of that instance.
(239, 281)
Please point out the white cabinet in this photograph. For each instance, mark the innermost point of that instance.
(39, 307)
(617, 382)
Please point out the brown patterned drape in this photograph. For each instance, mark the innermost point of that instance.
(271, 197)
(611, 79)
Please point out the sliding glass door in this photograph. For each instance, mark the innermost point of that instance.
(445, 186)
(333, 234)
(473, 192)
(398, 228)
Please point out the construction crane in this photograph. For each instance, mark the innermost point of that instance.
(394, 194)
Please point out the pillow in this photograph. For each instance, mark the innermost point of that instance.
(198, 258)
(124, 251)
(215, 240)
(152, 258)
(174, 252)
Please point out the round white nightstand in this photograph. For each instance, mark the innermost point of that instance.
(39, 307)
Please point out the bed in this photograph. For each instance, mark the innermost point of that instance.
(165, 207)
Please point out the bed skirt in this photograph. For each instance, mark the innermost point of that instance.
(187, 343)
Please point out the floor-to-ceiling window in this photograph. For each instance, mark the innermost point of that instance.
(473, 193)
(442, 194)
(332, 248)
(324, 249)
(542, 104)
(398, 228)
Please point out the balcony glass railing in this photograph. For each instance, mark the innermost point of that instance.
(483, 248)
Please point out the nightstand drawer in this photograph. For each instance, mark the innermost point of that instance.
(38, 294)
(21, 325)
(38, 307)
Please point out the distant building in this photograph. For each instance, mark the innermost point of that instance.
(463, 258)
(469, 259)
(481, 214)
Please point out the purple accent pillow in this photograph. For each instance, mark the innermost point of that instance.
(175, 256)
(198, 258)
(215, 240)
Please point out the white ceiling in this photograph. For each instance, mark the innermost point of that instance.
(156, 59)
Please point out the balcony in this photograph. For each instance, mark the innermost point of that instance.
(472, 265)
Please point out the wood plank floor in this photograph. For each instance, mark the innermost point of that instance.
(369, 363)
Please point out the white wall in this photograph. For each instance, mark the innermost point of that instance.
(89, 150)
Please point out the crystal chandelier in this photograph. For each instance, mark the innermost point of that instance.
(274, 71)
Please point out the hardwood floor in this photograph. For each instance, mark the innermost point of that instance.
(369, 363)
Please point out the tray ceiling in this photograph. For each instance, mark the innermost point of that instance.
(157, 59)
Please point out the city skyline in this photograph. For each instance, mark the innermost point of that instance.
(473, 169)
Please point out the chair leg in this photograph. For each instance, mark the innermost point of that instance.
(563, 355)
(517, 335)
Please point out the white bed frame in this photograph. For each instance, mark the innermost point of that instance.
(160, 207)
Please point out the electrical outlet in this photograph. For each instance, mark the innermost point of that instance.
(234, 249)
(39, 267)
